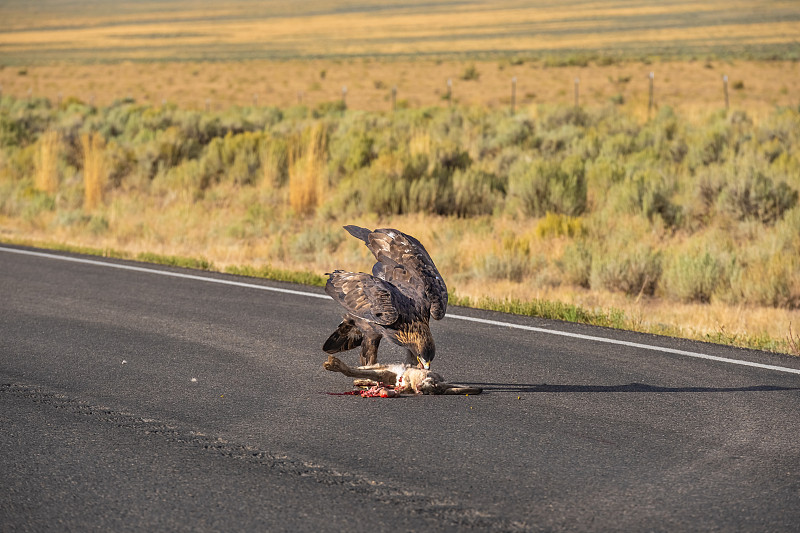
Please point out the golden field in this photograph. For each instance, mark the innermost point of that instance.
(689, 87)
(200, 53)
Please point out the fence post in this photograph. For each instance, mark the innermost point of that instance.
(255, 99)
(450, 91)
(344, 96)
(208, 104)
(513, 94)
(725, 89)
(577, 86)
(650, 101)
(394, 98)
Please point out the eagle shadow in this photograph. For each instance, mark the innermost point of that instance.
(517, 388)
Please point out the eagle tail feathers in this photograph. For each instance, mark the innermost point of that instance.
(359, 232)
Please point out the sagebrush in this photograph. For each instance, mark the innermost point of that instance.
(691, 210)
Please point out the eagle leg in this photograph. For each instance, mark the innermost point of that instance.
(369, 349)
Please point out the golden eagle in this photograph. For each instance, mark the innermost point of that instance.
(396, 301)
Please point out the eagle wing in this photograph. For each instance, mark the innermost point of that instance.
(364, 296)
(406, 264)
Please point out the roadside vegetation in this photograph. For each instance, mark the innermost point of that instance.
(583, 214)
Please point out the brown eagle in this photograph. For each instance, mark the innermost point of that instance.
(396, 301)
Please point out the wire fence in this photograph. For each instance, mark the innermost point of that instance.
(450, 96)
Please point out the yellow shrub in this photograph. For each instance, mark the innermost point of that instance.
(307, 179)
(557, 225)
(95, 174)
(46, 167)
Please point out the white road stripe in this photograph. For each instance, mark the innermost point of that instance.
(449, 315)
(627, 343)
(163, 272)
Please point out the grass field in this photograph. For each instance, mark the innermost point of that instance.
(687, 86)
(199, 54)
(215, 136)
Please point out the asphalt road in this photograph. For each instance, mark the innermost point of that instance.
(136, 401)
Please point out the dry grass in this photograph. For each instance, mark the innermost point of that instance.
(307, 178)
(95, 174)
(793, 341)
(151, 225)
(273, 51)
(46, 170)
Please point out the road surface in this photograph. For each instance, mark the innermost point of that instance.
(136, 397)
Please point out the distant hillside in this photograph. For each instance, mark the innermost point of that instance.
(44, 31)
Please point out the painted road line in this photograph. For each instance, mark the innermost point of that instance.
(163, 272)
(626, 343)
(498, 323)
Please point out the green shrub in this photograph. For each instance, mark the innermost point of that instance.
(34, 203)
(693, 277)
(475, 192)
(633, 270)
(329, 109)
(543, 186)
(772, 281)
(470, 73)
(753, 195)
(12, 133)
(705, 192)
(385, 194)
(648, 192)
(618, 146)
(316, 241)
(553, 118)
(601, 174)
(504, 265)
(275, 160)
(576, 264)
(555, 141)
(235, 157)
(360, 153)
(510, 260)
(192, 177)
(425, 195)
(514, 130)
(98, 225)
(709, 145)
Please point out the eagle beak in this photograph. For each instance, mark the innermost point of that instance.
(424, 364)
